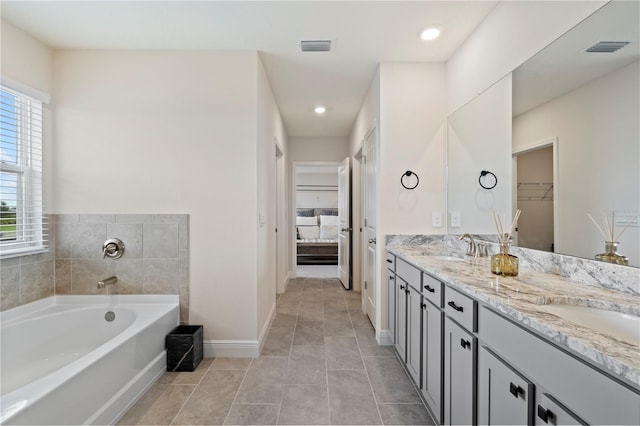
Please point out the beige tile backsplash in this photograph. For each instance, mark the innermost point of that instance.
(155, 261)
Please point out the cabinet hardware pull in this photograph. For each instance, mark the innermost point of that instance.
(465, 343)
(407, 291)
(429, 289)
(401, 287)
(423, 306)
(392, 278)
(544, 414)
(515, 390)
(389, 261)
(454, 306)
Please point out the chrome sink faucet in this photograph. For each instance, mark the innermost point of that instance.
(471, 249)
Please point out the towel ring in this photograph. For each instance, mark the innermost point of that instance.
(483, 174)
(409, 173)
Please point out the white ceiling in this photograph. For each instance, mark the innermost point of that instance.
(365, 33)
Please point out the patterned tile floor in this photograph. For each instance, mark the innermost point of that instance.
(320, 365)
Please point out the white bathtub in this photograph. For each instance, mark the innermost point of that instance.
(62, 362)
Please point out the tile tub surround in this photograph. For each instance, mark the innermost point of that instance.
(520, 299)
(25, 279)
(155, 261)
(326, 370)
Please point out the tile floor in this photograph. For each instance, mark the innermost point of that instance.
(320, 365)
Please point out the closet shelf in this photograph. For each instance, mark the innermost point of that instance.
(535, 191)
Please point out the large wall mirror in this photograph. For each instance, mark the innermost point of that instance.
(575, 145)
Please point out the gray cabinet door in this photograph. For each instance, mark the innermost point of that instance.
(391, 304)
(414, 338)
(432, 361)
(551, 412)
(504, 396)
(460, 349)
(401, 318)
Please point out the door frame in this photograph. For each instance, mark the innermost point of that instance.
(294, 202)
(551, 142)
(281, 219)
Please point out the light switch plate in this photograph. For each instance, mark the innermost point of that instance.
(456, 219)
(436, 219)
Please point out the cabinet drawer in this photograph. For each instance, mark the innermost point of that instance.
(461, 308)
(432, 289)
(391, 261)
(409, 273)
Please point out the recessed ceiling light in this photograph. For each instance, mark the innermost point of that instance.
(430, 33)
(320, 110)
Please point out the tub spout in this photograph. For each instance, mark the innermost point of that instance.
(107, 281)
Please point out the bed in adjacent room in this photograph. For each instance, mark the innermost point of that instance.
(317, 236)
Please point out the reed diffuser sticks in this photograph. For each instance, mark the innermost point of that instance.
(609, 224)
(502, 236)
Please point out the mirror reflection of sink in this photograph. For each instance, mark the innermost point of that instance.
(618, 325)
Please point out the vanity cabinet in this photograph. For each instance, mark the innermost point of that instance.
(432, 360)
(391, 297)
(401, 318)
(504, 396)
(475, 365)
(460, 349)
(414, 338)
(408, 318)
(551, 412)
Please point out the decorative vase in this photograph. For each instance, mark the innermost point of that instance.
(611, 255)
(504, 263)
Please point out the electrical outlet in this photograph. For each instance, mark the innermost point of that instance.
(456, 219)
(436, 219)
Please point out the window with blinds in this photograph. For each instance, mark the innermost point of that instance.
(23, 225)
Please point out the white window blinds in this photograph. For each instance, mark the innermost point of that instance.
(23, 224)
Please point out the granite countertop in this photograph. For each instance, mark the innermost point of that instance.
(522, 298)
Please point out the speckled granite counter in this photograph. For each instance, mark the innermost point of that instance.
(522, 298)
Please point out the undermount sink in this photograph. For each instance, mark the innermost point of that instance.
(618, 325)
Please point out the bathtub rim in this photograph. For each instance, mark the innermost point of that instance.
(38, 389)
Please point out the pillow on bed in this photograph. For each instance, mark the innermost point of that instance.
(327, 212)
(309, 232)
(306, 221)
(328, 232)
(329, 220)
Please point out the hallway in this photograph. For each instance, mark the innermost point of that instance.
(320, 365)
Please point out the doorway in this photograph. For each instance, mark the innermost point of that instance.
(535, 174)
(316, 220)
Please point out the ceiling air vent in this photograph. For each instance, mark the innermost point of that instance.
(315, 45)
(607, 46)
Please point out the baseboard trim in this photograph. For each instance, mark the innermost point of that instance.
(231, 348)
(239, 348)
(384, 338)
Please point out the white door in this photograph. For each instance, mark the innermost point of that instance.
(344, 234)
(370, 221)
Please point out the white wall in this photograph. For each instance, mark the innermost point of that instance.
(27, 61)
(412, 119)
(323, 149)
(408, 101)
(480, 139)
(599, 154)
(169, 132)
(270, 132)
(512, 33)
(320, 198)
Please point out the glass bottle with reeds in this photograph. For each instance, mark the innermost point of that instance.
(611, 254)
(504, 263)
